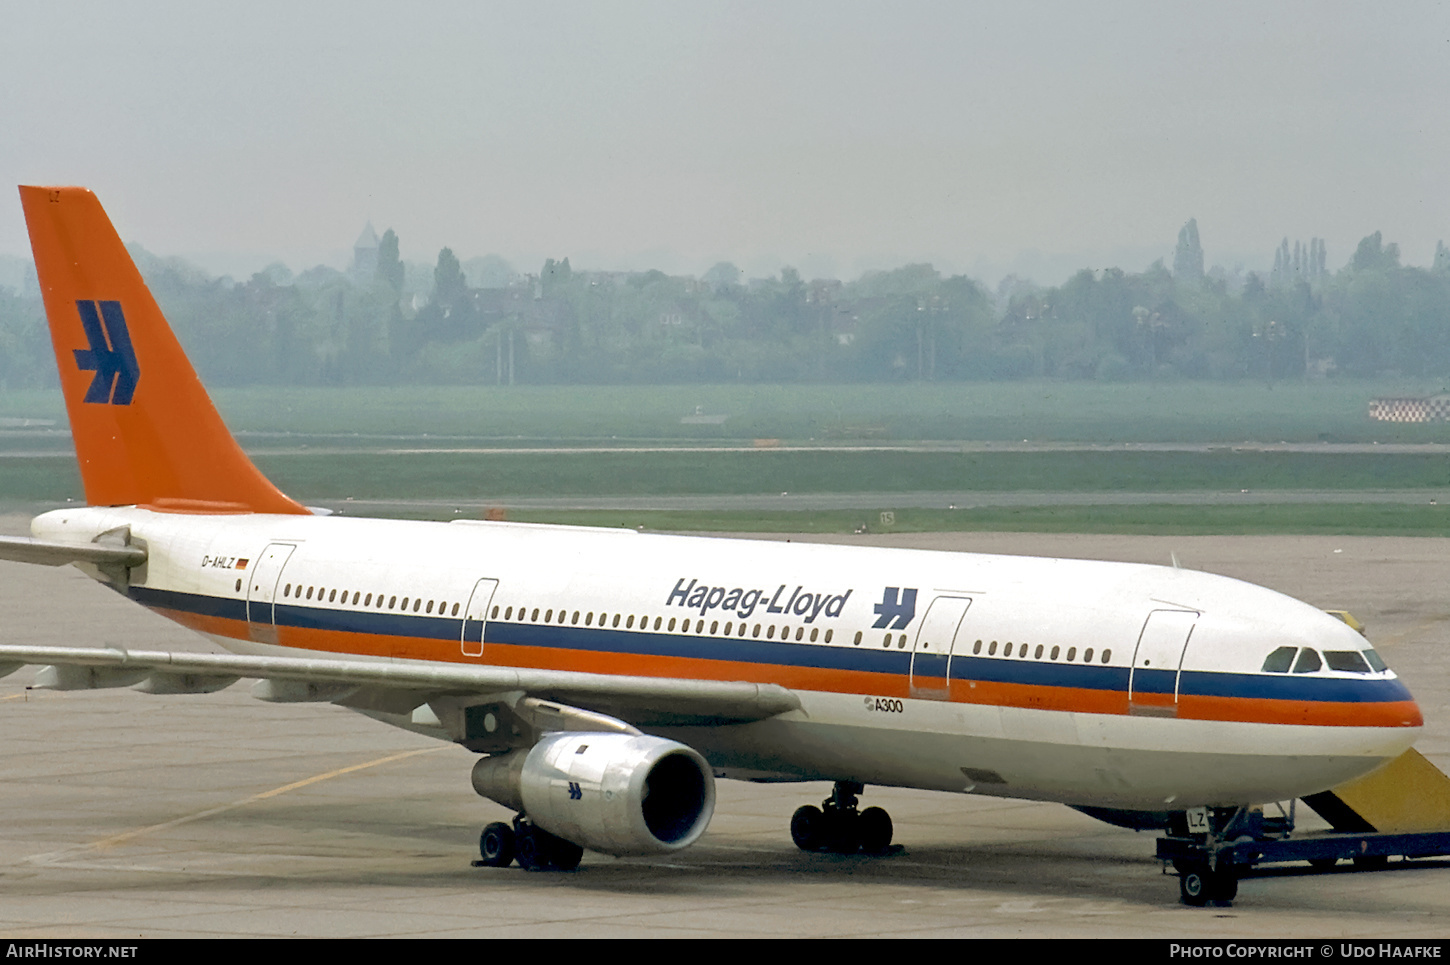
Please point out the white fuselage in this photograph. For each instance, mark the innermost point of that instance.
(1090, 683)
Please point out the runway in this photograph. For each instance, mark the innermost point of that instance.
(128, 815)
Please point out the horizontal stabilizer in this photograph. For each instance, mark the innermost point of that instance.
(23, 549)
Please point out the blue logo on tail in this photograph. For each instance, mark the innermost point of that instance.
(110, 356)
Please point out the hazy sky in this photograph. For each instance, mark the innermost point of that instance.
(833, 136)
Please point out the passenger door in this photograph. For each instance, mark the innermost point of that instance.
(475, 618)
(262, 585)
(935, 639)
(1153, 681)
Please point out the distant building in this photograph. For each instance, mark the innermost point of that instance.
(365, 254)
(1435, 408)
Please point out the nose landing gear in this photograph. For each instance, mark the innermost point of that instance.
(838, 827)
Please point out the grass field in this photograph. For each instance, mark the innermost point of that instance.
(1041, 411)
(483, 476)
(294, 429)
(1342, 520)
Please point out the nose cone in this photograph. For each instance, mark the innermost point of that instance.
(1299, 665)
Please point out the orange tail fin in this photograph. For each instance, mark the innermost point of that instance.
(145, 431)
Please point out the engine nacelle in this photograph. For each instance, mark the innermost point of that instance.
(615, 793)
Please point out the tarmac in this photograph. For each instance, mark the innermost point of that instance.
(128, 815)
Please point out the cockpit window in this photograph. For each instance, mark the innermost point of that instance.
(1349, 661)
(1308, 661)
(1280, 660)
(1375, 663)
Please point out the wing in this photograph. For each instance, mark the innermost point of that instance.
(456, 699)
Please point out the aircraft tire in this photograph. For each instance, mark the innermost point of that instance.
(875, 830)
(496, 845)
(1193, 886)
(807, 827)
(1199, 884)
(530, 852)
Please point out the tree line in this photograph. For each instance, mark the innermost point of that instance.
(392, 324)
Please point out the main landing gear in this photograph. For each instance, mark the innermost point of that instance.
(837, 827)
(531, 846)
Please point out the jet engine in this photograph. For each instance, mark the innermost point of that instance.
(616, 793)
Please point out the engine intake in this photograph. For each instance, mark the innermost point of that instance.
(616, 793)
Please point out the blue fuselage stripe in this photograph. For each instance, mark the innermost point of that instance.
(834, 656)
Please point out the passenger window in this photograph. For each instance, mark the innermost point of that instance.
(1280, 660)
(828, 636)
(977, 647)
(1347, 661)
(992, 650)
(1087, 655)
(1071, 654)
(1037, 654)
(1054, 653)
(1007, 650)
(455, 609)
(1107, 655)
(857, 641)
(1308, 661)
(332, 597)
(814, 632)
(418, 605)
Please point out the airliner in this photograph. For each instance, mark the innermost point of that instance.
(607, 678)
